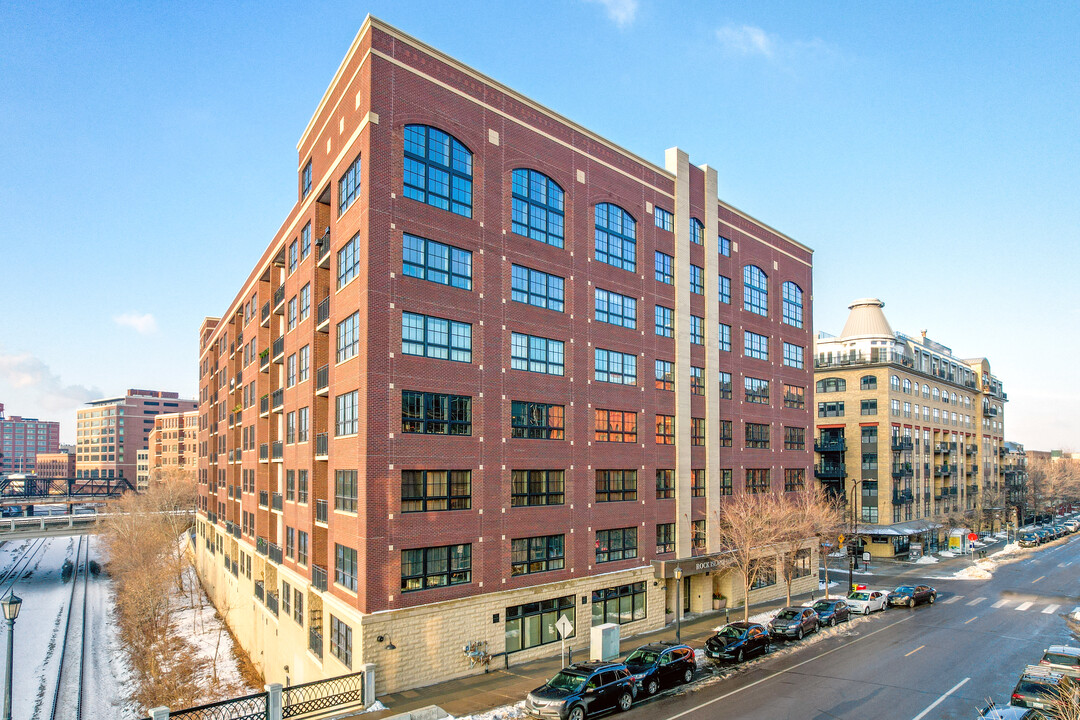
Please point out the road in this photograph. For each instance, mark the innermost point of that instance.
(936, 662)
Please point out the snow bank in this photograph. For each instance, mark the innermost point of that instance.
(947, 553)
(926, 560)
(505, 712)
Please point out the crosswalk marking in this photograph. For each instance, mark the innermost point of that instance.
(1000, 603)
(951, 600)
(1024, 605)
(976, 601)
(1050, 609)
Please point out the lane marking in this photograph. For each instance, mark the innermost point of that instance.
(1050, 609)
(1024, 605)
(974, 618)
(778, 673)
(1000, 603)
(914, 651)
(941, 699)
(1037, 579)
(976, 601)
(951, 600)
(1065, 564)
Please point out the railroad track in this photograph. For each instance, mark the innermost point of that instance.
(68, 694)
(10, 575)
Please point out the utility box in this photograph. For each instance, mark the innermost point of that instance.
(604, 645)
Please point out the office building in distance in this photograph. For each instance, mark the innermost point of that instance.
(22, 440)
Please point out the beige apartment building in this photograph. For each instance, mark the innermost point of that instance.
(174, 443)
(55, 465)
(910, 435)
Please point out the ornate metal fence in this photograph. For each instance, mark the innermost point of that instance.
(249, 707)
(321, 695)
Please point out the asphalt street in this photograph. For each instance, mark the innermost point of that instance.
(940, 661)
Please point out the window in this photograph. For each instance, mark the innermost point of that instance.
(536, 354)
(616, 426)
(794, 438)
(298, 606)
(763, 571)
(348, 337)
(830, 409)
(301, 538)
(725, 482)
(697, 231)
(536, 288)
(533, 624)
(757, 390)
(620, 605)
(537, 487)
(793, 355)
(434, 490)
(436, 567)
(723, 245)
(290, 547)
(293, 250)
(663, 219)
(341, 641)
(616, 237)
(292, 313)
(665, 429)
(345, 567)
(665, 321)
(757, 435)
(831, 384)
(793, 304)
(869, 514)
(869, 436)
(537, 554)
(697, 330)
(347, 414)
(348, 261)
(697, 431)
(665, 375)
(305, 180)
(290, 428)
(435, 262)
(616, 309)
(697, 380)
(436, 338)
(868, 382)
(438, 170)
(345, 490)
(794, 396)
(725, 386)
(305, 302)
(868, 407)
(755, 346)
(290, 370)
(537, 421)
(665, 484)
(616, 485)
(724, 338)
(894, 407)
(725, 433)
(614, 545)
(537, 207)
(665, 538)
(794, 479)
(697, 535)
(301, 486)
(615, 367)
(304, 363)
(697, 483)
(349, 186)
(664, 264)
(305, 241)
(755, 290)
(697, 285)
(757, 480)
(869, 461)
(435, 413)
(725, 289)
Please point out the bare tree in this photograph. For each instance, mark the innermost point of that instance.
(748, 528)
(807, 517)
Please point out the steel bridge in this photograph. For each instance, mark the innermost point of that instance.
(29, 491)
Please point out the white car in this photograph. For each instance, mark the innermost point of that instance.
(867, 601)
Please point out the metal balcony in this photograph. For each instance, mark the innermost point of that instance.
(322, 247)
(264, 453)
(902, 470)
(322, 315)
(315, 642)
(260, 545)
(277, 400)
(273, 551)
(279, 300)
(264, 316)
(276, 451)
(830, 445)
(901, 443)
(264, 406)
(830, 470)
(322, 380)
(318, 577)
(272, 602)
(264, 500)
(322, 446)
(260, 590)
(275, 501)
(902, 497)
(278, 352)
(321, 511)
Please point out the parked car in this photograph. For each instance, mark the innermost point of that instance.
(661, 664)
(867, 601)
(794, 622)
(912, 595)
(1037, 687)
(1072, 525)
(738, 641)
(832, 611)
(1028, 540)
(1010, 712)
(582, 690)
(1062, 659)
(1061, 531)
(1045, 535)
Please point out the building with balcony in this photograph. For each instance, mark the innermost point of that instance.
(909, 434)
(424, 418)
(55, 465)
(22, 439)
(173, 443)
(1014, 474)
(111, 431)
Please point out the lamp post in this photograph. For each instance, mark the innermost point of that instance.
(854, 534)
(11, 604)
(678, 606)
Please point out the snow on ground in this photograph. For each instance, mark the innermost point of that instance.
(821, 584)
(926, 560)
(947, 554)
(506, 712)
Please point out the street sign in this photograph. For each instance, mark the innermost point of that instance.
(564, 626)
(866, 557)
(840, 539)
(973, 536)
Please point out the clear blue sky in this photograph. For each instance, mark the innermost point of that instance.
(928, 152)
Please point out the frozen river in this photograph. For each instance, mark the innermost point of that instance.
(62, 660)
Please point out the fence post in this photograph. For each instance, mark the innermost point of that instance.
(159, 713)
(273, 701)
(369, 683)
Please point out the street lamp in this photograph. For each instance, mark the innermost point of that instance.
(11, 604)
(854, 534)
(678, 608)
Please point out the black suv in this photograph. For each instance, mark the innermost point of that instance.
(1039, 686)
(661, 664)
(832, 611)
(581, 690)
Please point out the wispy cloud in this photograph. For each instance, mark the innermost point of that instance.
(751, 41)
(33, 379)
(620, 12)
(142, 324)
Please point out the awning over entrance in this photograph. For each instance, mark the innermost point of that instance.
(692, 565)
(913, 527)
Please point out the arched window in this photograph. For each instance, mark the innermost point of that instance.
(793, 307)
(755, 290)
(907, 386)
(438, 169)
(831, 384)
(697, 231)
(537, 207)
(936, 393)
(952, 398)
(616, 237)
(868, 382)
(894, 383)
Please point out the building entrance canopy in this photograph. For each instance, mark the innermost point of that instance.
(913, 527)
(663, 569)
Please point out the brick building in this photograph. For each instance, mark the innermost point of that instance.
(173, 443)
(22, 439)
(55, 465)
(492, 369)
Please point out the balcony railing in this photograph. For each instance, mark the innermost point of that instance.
(277, 399)
(321, 511)
(901, 443)
(279, 298)
(264, 405)
(944, 470)
(941, 448)
(264, 499)
(322, 315)
(260, 545)
(272, 602)
(276, 450)
(273, 551)
(874, 357)
(900, 470)
(264, 452)
(973, 489)
(830, 470)
(275, 501)
(315, 642)
(322, 378)
(322, 445)
(830, 445)
(278, 351)
(902, 497)
(260, 590)
(264, 316)
(318, 577)
(322, 247)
